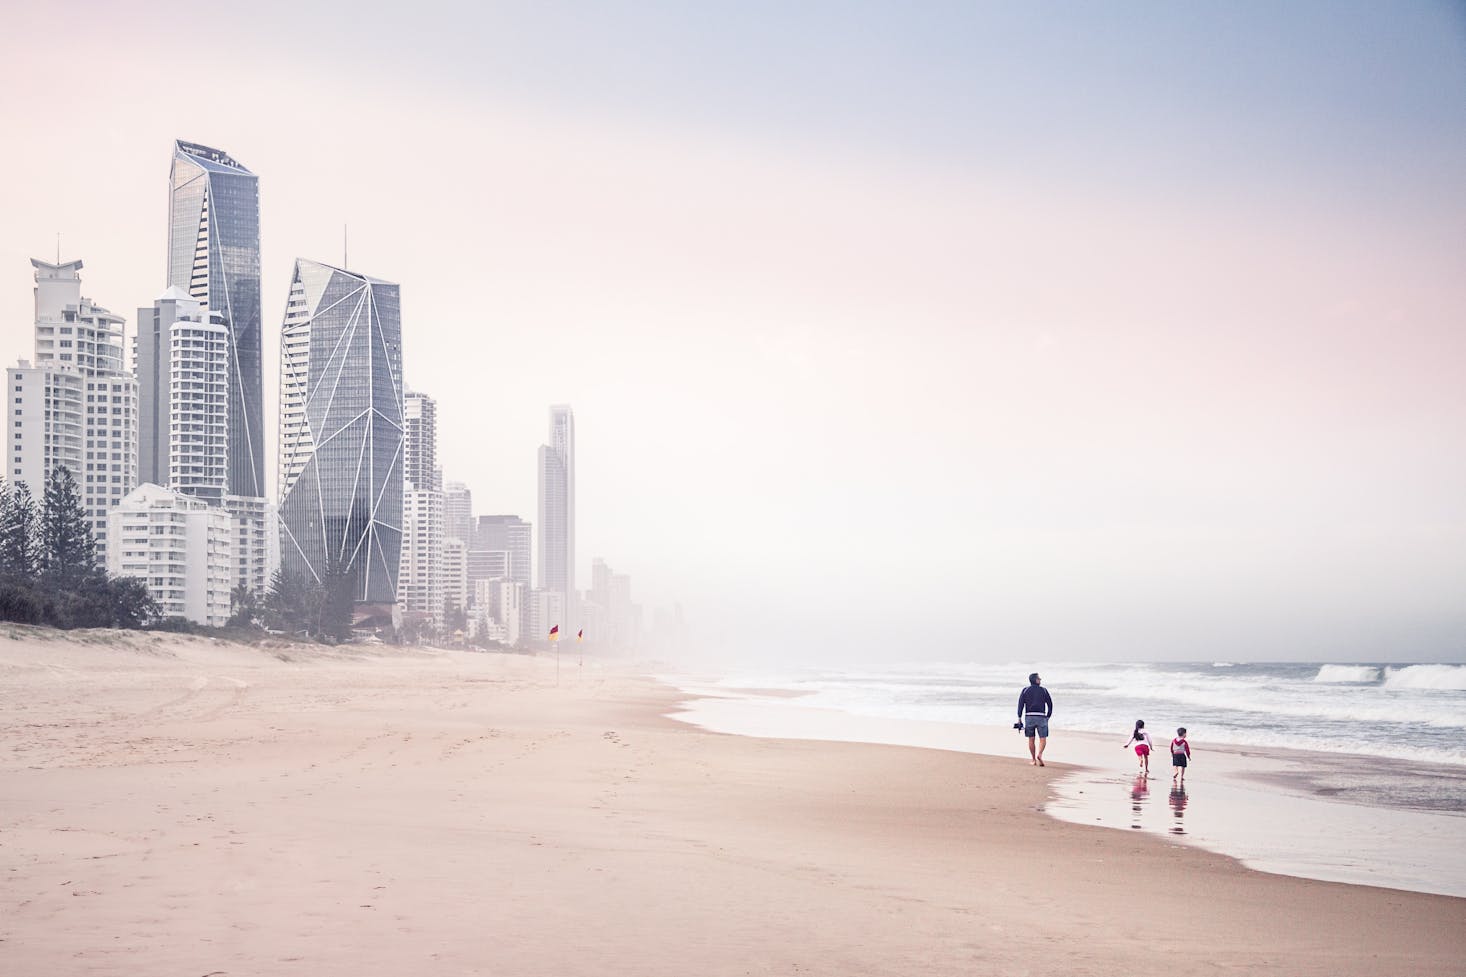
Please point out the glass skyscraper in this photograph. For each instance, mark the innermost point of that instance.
(214, 256)
(341, 430)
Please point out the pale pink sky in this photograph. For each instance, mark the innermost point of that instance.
(1105, 364)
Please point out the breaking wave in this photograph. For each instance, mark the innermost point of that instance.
(1447, 677)
(1348, 674)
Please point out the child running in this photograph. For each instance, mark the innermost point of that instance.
(1180, 757)
(1141, 739)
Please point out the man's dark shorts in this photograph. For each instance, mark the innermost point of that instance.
(1036, 725)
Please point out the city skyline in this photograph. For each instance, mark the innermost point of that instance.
(1150, 317)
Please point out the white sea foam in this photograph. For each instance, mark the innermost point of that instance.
(1348, 674)
(1446, 677)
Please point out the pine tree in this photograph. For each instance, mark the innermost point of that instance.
(68, 552)
(18, 532)
(338, 604)
(244, 607)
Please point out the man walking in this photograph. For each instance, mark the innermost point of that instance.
(1035, 706)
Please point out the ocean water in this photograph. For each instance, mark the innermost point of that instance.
(1347, 773)
(1402, 711)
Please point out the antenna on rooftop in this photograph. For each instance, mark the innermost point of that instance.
(58, 247)
(345, 264)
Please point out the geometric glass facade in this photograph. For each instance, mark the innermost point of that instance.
(214, 256)
(341, 430)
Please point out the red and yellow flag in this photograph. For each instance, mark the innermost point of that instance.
(555, 633)
(580, 636)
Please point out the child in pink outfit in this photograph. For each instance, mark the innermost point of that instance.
(1141, 739)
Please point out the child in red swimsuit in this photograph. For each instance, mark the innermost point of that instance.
(1141, 739)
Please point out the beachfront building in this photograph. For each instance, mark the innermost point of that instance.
(179, 546)
(181, 355)
(152, 364)
(546, 609)
(501, 601)
(458, 512)
(254, 530)
(44, 424)
(501, 548)
(557, 505)
(214, 257)
(455, 576)
(420, 582)
(420, 441)
(341, 434)
(198, 408)
(75, 407)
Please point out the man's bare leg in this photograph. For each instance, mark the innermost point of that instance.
(1042, 742)
(1032, 754)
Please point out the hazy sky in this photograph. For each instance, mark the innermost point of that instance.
(1009, 331)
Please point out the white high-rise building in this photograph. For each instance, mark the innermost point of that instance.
(557, 505)
(72, 331)
(44, 424)
(152, 363)
(420, 584)
(255, 534)
(110, 426)
(198, 409)
(420, 579)
(181, 354)
(420, 443)
(455, 576)
(179, 547)
(75, 407)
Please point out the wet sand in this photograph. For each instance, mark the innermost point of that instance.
(1264, 807)
(172, 806)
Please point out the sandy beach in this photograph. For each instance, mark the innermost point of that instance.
(170, 805)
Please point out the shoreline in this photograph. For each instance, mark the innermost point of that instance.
(1261, 806)
(186, 807)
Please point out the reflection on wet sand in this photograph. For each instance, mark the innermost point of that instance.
(1139, 793)
(1178, 810)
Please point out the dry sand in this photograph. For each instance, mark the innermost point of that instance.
(173, 806)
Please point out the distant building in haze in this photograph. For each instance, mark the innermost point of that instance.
(455, 577)
(458, 512)
(557, 505)
(510, 535)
